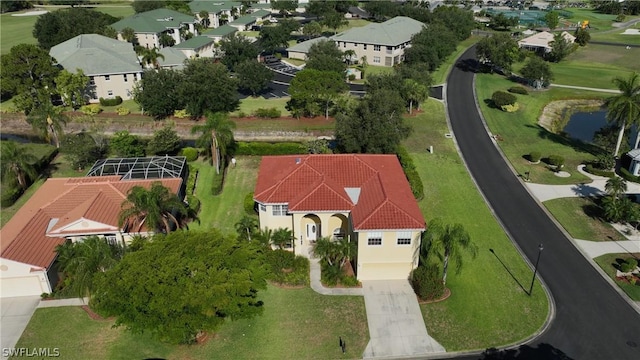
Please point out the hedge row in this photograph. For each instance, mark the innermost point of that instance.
(111, 102)
(411, 173)
(191, 180)
(591, 170)
(218, 181)
(249, 204)
(267, 113)
(263, 148)
(629, 176)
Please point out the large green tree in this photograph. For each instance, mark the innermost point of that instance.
(552, 19)
(164, 142)
(375, 126)
(48, 121)
(560, 48)
(253, 77)
(273, 38)
(72, 87)
(431, 46)
(500, 50)
(28, 72)
(82, 260)
(500, 21)
(325, 56)
(57, 26)
(157, 92)
(457, 20)
(537, 71)
(18, 165)
(447, 241)
(237, 49)
(415, 93)
(183, 284)
(208, 86)
(312, 29)
(624, 109)
(157, 208)
(126, 145)
(83, 149)
(216, 137)
(284, 7)
(310, 85)
(334, 20)
(128, 35)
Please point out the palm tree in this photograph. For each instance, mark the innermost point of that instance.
(334, 253)
(128, 35)
(166, 40)
(615, 187)
(348, 55)
(157, 207)
(414, 92)
(83, 260)
(48, 120)
(204, 18)
(624, 109)
(246, 226)
(151, 56)
(281, 237)
(17, 164)
(216, 136)
(363, 65)
(447, 241)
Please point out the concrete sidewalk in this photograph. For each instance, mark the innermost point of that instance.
(63, 302)
(396, 325)
(317, 286)
(16, 313)
(598, 248)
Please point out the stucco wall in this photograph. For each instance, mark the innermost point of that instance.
(116, 84)
(18, 279)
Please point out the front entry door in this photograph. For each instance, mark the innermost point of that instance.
(312, 232)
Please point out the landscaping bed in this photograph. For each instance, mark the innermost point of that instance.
(581, 218)
(610, 264)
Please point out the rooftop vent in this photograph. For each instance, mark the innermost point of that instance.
(298, 160)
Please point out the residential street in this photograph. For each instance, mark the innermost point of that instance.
(591, 319)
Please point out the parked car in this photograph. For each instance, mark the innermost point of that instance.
(256, 28)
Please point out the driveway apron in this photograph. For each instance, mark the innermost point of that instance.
(396, 326)
(16, 313)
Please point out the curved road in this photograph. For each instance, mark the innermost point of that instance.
(592, 320)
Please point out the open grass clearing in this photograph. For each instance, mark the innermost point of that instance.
(607, 263)
(487, 307)
(296, 324)
(250, 104)
(580, 217)
(520, 133)
(223, 211)
(618, 36)
(597, 21)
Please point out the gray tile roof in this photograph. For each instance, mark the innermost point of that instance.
(304, 46)
(154, 21)
(220, 31)
(195, 42)
(392, 32)
(96, 55)
(260, 13)
(172, 57)
(213, 7)
(245, 20)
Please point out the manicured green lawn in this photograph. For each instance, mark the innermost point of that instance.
(580, 217)
(487, 307)
(296, 62)
(296, 324)
(597, 21)
(251, 104)
(224, 210)
(607, 262)
(521, 134)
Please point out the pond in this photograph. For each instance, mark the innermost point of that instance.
(583, 126)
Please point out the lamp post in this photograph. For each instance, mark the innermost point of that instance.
(535, 271)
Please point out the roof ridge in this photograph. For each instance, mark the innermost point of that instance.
(322, 183)
(376, 208)
(402, 209)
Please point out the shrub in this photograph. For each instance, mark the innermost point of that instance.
(121, 110)
(592, 170)
(190, 153)
(181, 114)
(111, 102)
(534, 156)
(191, 180)
(604, 162)
(9, 195)
(330, 275)
(352, 77)
(270, 113)
(633, 262)
(249, 204)
(91, 109)
(502, 98)
(556, 160)
(415, 182)
(625, 174)
(287, 268)
(349, 281)
(263, 148)
(194, 203)
(216, 184)
(518, 90)
(629, 265)
(427, 282)
(510, 108)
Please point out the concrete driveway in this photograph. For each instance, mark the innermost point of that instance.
(16, 313)
(396, 326)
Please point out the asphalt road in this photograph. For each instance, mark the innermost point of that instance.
(592, 320)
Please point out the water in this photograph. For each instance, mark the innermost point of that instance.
(583, 126)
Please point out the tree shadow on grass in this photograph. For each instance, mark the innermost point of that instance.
(575, 144)
(593, 211)
(541, 351)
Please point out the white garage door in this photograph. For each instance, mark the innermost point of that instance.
(384, 271)
(23, 286)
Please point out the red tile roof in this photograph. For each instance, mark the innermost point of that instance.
(61, 202)
(317, 183)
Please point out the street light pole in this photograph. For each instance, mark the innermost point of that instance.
(535, 271)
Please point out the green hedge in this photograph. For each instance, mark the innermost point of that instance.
(216, 184)
(194, 203)
(518, 90)
(411, 173)
(249, 204)
(502, 98)
(591, 170)
(9, 195)
(264, 148)
(190, 153)
(287, 268)
(427, 282)
(267, 113)
(111, 102)
(629, 176)
(191, 180)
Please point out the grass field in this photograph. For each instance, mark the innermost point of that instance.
(597, 22)
(581, 218)
(487, 307)
(607, 262)
(16, 30)
(521, 134)
(251, 104)
(224, 210)
(296, 324)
